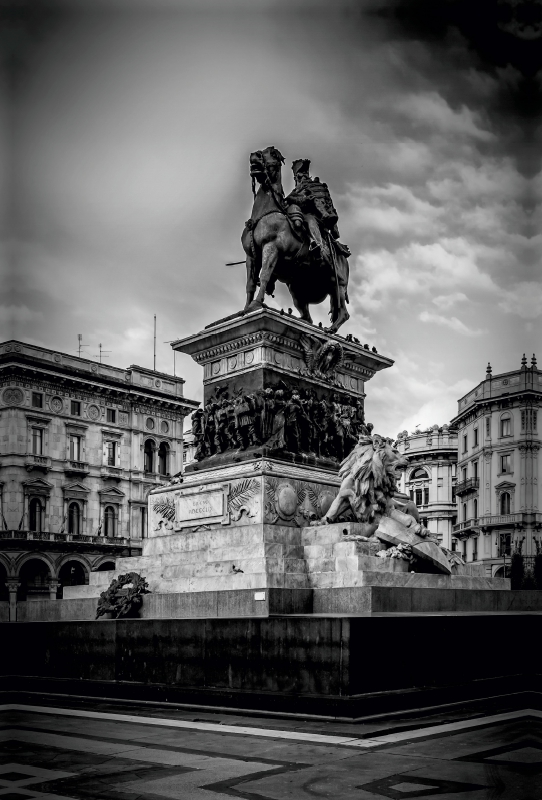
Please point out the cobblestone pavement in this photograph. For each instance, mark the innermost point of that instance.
(100, 751)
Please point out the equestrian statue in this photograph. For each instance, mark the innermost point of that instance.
(294, 240)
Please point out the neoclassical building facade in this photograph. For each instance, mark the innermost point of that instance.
(81, 445)
(498, 488)
(430, 477)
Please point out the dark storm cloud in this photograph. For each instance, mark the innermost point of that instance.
(500, 39)
(132, 124)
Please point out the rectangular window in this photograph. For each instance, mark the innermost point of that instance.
(412, 495)
(75, 448)
(143, 522)
(506, 426)
(505, 544)
(465, 441)
(488, 426)
(464, 474)
(454, 545)
(111, 448)
(426, 495)
(418, 497)
(37, 400)
(453, 494)
(506, 463)
(75, 408)
(474, 469)
(475, 549)
(111, 414)
(476, 437)
(37, 441)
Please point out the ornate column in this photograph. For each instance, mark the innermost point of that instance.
(486, 481)
(13, 585)
(523, 477)
(53, 586)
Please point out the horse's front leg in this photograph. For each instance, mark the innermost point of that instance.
(269, 262)
(252, 279)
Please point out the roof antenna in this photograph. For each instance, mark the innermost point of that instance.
(101, 353)
(154, 361)
(80, 344)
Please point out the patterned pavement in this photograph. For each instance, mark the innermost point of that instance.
(93, 753)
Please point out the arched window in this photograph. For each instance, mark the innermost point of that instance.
(36, 515)
(505, 503)
(419, 474)
(106, 566)
(74, 518)
(110, 521)
(34, 578)
(149, 456)
(163, 458)
(506, 425)
(73, 573)
(476, 509)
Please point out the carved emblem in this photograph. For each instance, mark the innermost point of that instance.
(56, 405)
(322, 358)
(93, 412)
(13, 397)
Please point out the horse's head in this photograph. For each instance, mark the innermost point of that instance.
(266, 164)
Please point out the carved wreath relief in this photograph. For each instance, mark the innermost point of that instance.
(295, 502)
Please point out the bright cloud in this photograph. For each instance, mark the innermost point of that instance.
(453, 323)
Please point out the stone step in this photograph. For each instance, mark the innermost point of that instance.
(320, 534)
(318, 550)
(352, 548)
(240, 536)
(326, 535)
(248, 566)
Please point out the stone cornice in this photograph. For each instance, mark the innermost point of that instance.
(52, 383)
(247, 341)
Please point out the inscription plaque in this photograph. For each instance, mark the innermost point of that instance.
(201, 506)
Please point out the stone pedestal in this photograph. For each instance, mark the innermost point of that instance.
(235, 536)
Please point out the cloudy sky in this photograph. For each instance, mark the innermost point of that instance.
(129, 127)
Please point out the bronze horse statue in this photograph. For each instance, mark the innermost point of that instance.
(278, 250)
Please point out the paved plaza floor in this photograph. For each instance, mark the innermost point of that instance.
(59, 749)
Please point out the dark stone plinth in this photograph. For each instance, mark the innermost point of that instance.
(255, 452)
(263, 368)
(336, 665)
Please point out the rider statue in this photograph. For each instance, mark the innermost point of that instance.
(294, 240)
(311, 200)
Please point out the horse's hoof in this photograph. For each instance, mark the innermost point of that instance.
(254, 306)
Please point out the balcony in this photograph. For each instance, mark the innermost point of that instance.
(46, 536)
(32, 462)
(77, 468)
(112, 472)
(464, 487)
(467, 527)
(501, 520)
